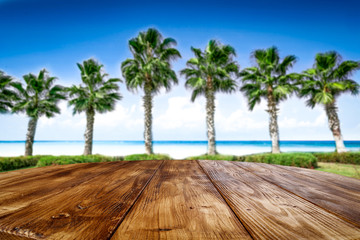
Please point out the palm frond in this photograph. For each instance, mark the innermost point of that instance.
(345, 70)
(328, 78)
(98, 93)
(39, 97)
(8, 95)
(150, 66)
(211, 70)
(268, 77)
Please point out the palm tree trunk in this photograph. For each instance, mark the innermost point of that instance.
(148, 121)
(90, 117)
(30, 135)
(210, 110)
(334, 125)
(273, 126)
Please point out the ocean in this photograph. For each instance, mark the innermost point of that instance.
(176, 149)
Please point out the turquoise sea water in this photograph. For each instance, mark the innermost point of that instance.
(176, 149)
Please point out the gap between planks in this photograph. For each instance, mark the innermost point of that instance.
(271, 212)
(310, 195)
(181, 202)
(221, 194)
(131, 207)
(93, 193)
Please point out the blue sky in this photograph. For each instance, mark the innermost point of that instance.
(56, 34)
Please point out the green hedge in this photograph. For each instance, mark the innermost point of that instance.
(135, 157)
(306, 160)
(11, 163)
(62, 160)
(214, 157)
(347, 157)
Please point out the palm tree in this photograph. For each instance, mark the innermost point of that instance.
(324, 83)
(7, 93)
(38, 98)
(209, 72)
(97, 95)
(268, 80)
(150, 70)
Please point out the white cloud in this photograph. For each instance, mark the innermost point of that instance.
(239, 120)
(290, 122)
(65, 118)
(121, 116)
(44, 121)
(181, 113)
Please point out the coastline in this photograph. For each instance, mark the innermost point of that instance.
(175, 148)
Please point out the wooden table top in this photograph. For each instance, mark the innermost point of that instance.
(178, 200)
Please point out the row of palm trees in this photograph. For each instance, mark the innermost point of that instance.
(208, 72)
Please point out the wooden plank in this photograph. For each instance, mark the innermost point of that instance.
(180, 203)
(22, 192)
(349, 183)
(342, 201)
(269, 212)
(31, 173)
(6, 236)
(89, 210)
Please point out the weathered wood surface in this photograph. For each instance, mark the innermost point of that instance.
(21, 192)
(177, 200)
(181, 202)
(19, 175)
(89, 208)
(351, 184)
(344, 201)
(269, 212)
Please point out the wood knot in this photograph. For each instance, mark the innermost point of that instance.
(61, 215)
(80, 207)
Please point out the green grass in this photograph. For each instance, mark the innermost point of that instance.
(11, 163)
(347, 157)
(306, 160)
(349, 170)
(135, 157)
(62, 160)
(214, 157)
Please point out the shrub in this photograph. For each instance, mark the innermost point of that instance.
(306, 160)
(347, 157)
(11, 163)
(62, 160)
(214, 157)
(135, 157)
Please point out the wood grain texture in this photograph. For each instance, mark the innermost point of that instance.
(180, 203)
(21, 192)
(351, 184)
(269, 212)
(177, 200)
(343, 201)
(90, 205)
(6, 236)
(30, 173)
